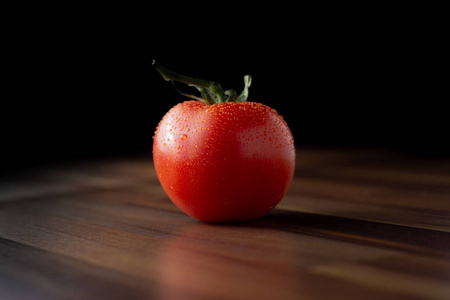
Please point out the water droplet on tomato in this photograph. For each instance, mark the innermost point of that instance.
(184, 136)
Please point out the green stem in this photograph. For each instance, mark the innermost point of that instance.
(214, 87)
(211, 91)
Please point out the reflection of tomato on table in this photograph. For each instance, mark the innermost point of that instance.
(215, 260)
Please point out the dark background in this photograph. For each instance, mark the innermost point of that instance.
(78, 81)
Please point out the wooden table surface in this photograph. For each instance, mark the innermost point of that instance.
(355, 224)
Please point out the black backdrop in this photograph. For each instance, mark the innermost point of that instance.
(79, 81)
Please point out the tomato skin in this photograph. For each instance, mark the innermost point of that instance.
(226, 162)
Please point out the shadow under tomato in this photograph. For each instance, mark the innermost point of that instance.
(356, 231)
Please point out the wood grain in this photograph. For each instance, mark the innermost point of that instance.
(355, 224)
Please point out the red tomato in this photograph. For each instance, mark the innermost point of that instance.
(225, 162)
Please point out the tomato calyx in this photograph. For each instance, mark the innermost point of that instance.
(211, 92)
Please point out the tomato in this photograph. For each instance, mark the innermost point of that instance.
(226, 161)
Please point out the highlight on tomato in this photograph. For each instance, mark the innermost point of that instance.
(221, 158)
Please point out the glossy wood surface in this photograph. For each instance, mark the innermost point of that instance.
(355, 224)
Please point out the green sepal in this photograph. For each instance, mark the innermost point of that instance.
(244, 94)
(207, 96)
